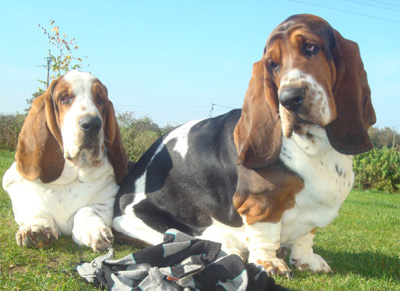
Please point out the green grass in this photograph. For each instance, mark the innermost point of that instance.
(362, 247)
(43, 269)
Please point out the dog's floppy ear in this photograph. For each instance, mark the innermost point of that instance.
(348, 133)
(39, 152)
(115, 150)
(258, 134)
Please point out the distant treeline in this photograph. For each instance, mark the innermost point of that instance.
(384, 137)
(137, 133)
(376, 170)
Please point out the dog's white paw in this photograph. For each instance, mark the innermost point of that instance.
(95, 235)
(310, 262)
(37, 236)
(275, 266)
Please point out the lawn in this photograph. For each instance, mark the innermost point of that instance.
(362, 247)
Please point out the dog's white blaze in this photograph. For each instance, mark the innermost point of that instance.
(140, 186)
(81, 86)
(181, 134)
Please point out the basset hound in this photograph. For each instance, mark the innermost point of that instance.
(265, 177)
(68, 164)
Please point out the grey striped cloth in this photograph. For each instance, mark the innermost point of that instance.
(181, 262)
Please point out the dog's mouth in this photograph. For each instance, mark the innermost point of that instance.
(293, 106)
(303, 103)
(293, 122)
(302, 126)
(88, 154)
(303, 121)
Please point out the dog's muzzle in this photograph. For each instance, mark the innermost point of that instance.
(90, 126)
(292, 98)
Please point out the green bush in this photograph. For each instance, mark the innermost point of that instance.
(10, 126)
(378, 169)
(138, 134)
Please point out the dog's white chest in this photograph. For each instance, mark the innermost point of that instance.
(74, 189)
(328, 179)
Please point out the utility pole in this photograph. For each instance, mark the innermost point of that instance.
(49, 60)
(211, 110)
(48, 70)
(394, 137)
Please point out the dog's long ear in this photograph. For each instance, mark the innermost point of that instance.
(39, 152)
(258, 134)
(348, 133)
(115, 150)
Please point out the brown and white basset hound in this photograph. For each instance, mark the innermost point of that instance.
(267, 176)
(68, 165)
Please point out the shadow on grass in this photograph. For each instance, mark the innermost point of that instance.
(368, 264)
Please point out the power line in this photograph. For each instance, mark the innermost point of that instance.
(224, 106)
(13, 99)
(160, 106)
(372, 5)
(171, 106)
(209, 115)
(384, 3)
(347, 11)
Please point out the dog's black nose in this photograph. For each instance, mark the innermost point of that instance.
(90, 125)
(292, 99)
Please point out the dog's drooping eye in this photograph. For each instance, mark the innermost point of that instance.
(310, 49)
(99, 100)
(273, 65)
(66, 99)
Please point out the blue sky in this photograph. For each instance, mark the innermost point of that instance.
(170, 60)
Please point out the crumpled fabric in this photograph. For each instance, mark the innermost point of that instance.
(181, 262)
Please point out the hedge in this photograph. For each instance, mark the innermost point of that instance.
(378, 169)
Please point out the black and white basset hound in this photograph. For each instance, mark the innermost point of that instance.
(266, 176)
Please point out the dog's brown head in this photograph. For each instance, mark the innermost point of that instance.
(73, 120)
(308, 75)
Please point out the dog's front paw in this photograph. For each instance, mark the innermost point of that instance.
(311, 262)
(99, 237)
(36, 236)
(275, 266)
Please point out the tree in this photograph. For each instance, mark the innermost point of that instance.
(384, 137)
(61, 61)
(138, 134)
(39, 92)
